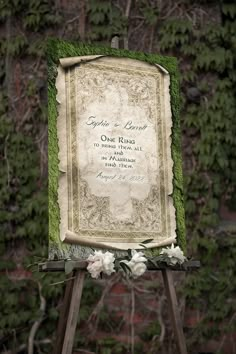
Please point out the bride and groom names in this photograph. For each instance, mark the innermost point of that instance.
(128, 126)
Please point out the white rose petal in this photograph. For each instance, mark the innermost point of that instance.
(175, 254)
(173, 261)
(95, 268)
(138, 269)
(108, 263)
(138, 257)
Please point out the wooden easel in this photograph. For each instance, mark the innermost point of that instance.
(71, 304)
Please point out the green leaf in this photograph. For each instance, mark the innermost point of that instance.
(147, 241)
(125, 267)
(129, 252)
(152, 262)
(142, 245)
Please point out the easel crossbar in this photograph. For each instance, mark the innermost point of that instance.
(58, 266)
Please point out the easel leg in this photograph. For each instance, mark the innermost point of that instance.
(174, 311)
(73, 312)
(61, 327)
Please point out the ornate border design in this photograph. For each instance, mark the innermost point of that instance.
(101, 205)
(57, 49)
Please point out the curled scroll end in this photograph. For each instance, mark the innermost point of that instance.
(163, 70)
(67, 62)
(74, 238)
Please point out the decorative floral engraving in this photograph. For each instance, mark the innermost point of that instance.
(95, 213)
(95, 79)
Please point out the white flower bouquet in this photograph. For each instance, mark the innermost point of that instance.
(135, 264)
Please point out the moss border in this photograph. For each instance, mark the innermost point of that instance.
(57, 49)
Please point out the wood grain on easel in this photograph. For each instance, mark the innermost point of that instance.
(61, 327)
(174, 310)
(73, 312)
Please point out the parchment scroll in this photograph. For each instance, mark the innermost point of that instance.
(114, 135)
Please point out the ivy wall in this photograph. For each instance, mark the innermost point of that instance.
(201, 34)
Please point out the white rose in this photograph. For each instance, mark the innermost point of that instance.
(136, 264)
(108, 263)
(175, 254)
(100, 262)
(95, 265)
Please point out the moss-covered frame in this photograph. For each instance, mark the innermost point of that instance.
(57, 49)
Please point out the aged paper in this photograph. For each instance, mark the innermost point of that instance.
(114, 135)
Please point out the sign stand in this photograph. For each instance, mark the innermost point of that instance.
(69, 312)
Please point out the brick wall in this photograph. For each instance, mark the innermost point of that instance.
(133, 307)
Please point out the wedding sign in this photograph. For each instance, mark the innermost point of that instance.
(117, 155)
